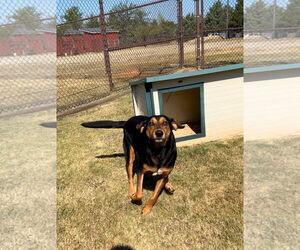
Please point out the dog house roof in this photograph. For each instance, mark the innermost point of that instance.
(273, 68)
(187, 74)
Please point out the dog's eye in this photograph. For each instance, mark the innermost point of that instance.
(165, 123)
(150, 123)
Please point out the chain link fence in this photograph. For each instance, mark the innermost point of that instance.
(27, 56)
(223, 32)
(272, 32)
(102, 45)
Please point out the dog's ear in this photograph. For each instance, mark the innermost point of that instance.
(175, 125)
(141, 126)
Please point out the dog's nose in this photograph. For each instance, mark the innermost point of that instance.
(159, 133)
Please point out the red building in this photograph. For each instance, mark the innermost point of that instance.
(85, 40)
(28, 42)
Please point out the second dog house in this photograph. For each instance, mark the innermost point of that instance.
(209, 102)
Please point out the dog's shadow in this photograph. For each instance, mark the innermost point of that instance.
(109, 156)
(121, 247)
(149, 182)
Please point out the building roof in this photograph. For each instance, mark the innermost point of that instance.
(25, 31)
(88, 30)
(47, 30)
(187, 74)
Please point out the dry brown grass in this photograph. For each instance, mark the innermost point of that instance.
(271, 193)
(28, 182)
(83, 76)
(93, 210)
(27, 81)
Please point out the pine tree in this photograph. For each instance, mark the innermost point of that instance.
(26, 15)
(73, 14)
(280, 16)
(293, 13)
(258, 16)
(216, 16)
(237, 18)
(126, 21)
(92, 23)
(189, 25)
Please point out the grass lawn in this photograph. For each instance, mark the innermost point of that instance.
(271, 193)
(93, 210)
(28, 181)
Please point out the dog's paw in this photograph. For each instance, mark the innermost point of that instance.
(169, 188)
(136, 200)
(146, 209)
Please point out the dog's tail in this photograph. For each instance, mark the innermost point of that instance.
(104, 124)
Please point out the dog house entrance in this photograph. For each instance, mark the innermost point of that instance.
(185, 105)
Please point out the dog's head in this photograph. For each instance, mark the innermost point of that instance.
(159, 128)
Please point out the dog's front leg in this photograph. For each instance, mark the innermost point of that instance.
(158, 188)
(139, 188)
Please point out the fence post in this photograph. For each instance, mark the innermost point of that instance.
(180, 33)
(202, 35)
(105, 45)
(274, 19)
(198, 52)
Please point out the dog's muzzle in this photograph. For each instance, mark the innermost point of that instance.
(159, 135)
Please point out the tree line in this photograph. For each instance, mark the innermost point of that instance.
(26, 18)
(133, 25)
(136, 26)
(259, 15)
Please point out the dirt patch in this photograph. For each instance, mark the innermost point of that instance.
(128, 73)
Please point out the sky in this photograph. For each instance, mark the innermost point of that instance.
(50, 8)
(167, 9)
(46, 7)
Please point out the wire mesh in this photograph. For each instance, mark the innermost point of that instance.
(223, 32)
(141, 41)
(27, 55)
(148, 41)
(144, 38)
(272, 32)
(99, 52)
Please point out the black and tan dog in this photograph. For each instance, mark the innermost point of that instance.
(150, 151)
